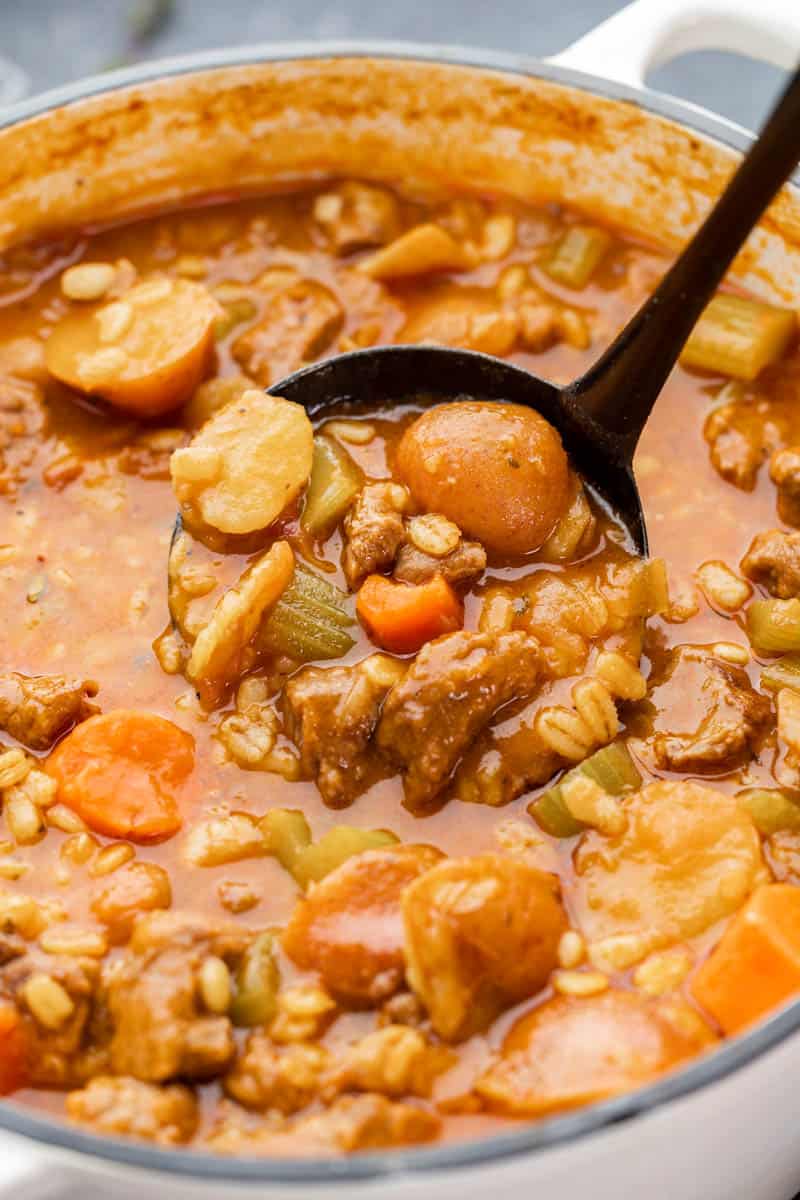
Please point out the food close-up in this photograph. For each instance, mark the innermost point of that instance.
(363, 786)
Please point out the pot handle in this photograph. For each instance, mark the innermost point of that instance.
(648, 33)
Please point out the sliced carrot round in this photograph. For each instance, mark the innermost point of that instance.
(13, 1050)
(122, 773)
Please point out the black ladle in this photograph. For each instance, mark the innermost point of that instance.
(601, 415)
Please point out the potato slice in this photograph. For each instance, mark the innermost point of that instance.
(145, 352)
(422, 249)
(247, 463)
(215, 656)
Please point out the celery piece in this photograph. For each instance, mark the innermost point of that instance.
(774, 625)
(611, 767)
(784, 672)
(257, 983)
(335, 481)
(738, 337)
(771, 810)
(287, 836)
(576, 256)
(309, 621)
(335, 847)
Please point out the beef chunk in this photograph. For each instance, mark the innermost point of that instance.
(283, 1078)
(74, 1051)
(461, 567)
(124, 1106)
(446, 698)
(773, 559)
(741, 437)
(349, 928)
(355, 215)
(718, 713)
(784, 471)
(481, 934)
(161, 1031)
(302, 320)
(331, 714)
(37, 709)
(373, 530)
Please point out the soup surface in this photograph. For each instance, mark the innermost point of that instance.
(388, 798)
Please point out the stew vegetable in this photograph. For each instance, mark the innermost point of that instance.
(388, 798)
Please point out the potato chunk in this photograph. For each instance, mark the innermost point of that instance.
(215, 656)
(688, 857)
(246, 465)
(573, 1051)
(144, 353)
(481, 934)
(349, 927)
(497, 470)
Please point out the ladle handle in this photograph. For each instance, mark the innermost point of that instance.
(619, 391)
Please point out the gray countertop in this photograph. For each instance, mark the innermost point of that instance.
(59, 40)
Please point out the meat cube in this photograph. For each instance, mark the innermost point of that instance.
(773, 560)
(688, 857)
(481, 934)
(571, 1051)
(301, 322)
(331, 714)
(65, 1054)
(125, 1107)
(136, 888)
(373, 530)
(424, 732)
(461, 567)
(37, 709)
(270, 1077)
(784, 471)
(350, 926)
(741, 437)
(355, 215)
(709, 716)
(161, 1030)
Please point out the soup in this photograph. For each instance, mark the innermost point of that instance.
(386, 797)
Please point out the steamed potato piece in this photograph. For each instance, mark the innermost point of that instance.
(216, 653)
(349, 927)
(246, 465)
(481, 934)
(145, 352)
(497, 470)
(688, 857)
(574, 1051)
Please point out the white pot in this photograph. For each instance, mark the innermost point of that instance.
(723, 1129)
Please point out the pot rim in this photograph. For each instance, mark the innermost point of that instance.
(533, 1137)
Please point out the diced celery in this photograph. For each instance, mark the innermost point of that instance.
(772, 810)
(257, 983)
(335, 481)
(784, 672)
(577, 255)
(287, 835)
(335, 847)
(774, 625)
(737, 336)
(309, 621)
(611, 767)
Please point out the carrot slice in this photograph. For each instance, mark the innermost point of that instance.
(122, 772)
(756, 965)
(401, 618)
(13, 1050)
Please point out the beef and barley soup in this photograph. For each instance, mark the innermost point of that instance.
(388, 797)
